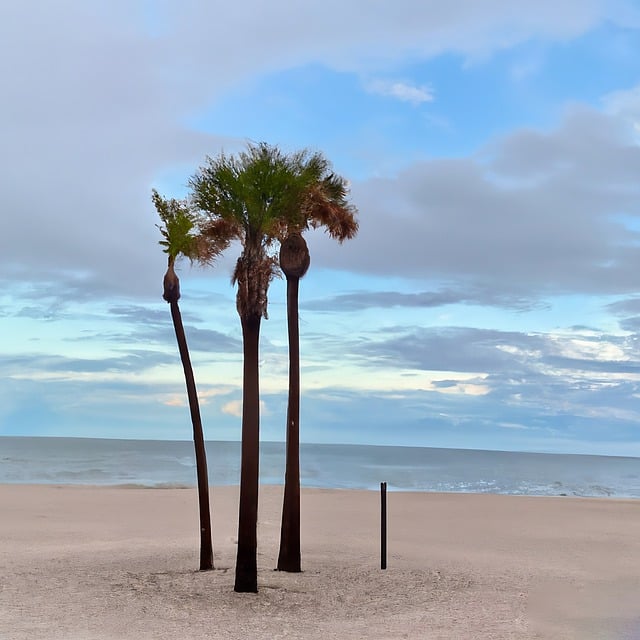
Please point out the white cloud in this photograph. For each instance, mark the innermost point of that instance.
(401, 91)
(281, 33)
(625, 105)
(175, 400)
(596, 349)
(624, 101)
(204, 398)
(234, 408)
(537, 212)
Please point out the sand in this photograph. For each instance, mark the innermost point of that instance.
(87, 563)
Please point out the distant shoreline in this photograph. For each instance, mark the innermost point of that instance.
(280, 488)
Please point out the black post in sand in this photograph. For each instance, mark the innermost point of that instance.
(383, 525)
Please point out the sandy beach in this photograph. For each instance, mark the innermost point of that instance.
(87, 563)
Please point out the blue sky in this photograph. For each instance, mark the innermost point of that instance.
(491, 298)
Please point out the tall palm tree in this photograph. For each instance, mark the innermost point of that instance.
(325, 205)
(255, 197)
(294, 262)
(178, 223)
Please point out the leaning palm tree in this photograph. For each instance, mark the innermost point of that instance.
(255, 197)
(325, 205)
(178, 223)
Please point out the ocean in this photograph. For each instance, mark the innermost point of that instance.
(162, 463)
(156, 463)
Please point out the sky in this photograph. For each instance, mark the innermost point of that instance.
(491, 298)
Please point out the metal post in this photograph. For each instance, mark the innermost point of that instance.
(383, 525)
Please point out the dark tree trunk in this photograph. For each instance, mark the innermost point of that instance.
(206, 544)
(246, 561)
(289, 556)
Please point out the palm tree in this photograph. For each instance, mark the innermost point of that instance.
(178, 240)
(326, 205)
(255, 197)
(294, 262)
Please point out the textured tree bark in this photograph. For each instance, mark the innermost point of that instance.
(289, 556)
(206, 543)
(246, 580)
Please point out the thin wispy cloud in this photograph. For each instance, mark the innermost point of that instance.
(402, 91)
(359, 300)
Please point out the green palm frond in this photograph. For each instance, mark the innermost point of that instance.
(261, 195)
(262, 189)
(178, 223)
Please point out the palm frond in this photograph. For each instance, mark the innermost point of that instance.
(178, 223)
(262, 188)
(326, 206)
(261, 195)
(214, 237)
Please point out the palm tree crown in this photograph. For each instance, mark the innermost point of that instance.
(258, 197)
(178, 223)
(181, 233)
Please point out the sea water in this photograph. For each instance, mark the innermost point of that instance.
(155, 463)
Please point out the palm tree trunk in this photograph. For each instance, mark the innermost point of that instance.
(206, 544)
(246, 562)
(289, 556)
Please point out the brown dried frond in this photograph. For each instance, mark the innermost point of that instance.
(279, 229)
(338, 217)
(214, 237)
